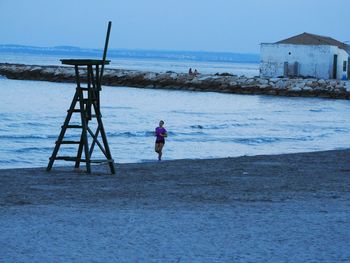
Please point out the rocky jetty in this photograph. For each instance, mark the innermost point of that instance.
(225, 83)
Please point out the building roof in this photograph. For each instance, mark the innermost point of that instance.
(312, 39)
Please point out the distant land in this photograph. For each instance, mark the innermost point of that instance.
(134, 53)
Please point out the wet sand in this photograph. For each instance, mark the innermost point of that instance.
(278, 208)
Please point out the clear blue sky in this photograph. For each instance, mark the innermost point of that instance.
(207, 25)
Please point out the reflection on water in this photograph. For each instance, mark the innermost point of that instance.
(200, 125)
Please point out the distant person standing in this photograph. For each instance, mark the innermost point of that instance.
(196, 72)
(190, 72)
(160, 133)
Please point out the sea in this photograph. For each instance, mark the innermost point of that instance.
(199, 124)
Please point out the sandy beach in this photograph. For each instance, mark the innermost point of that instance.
(279, 208)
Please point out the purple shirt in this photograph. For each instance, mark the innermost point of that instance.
(159, 131)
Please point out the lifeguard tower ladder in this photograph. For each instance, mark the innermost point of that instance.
(86, 102)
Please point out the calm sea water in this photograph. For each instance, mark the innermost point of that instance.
(200, 125)
(156, 65)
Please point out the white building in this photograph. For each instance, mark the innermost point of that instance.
(306, 55)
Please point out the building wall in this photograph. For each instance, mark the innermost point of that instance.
(314, 61)
(342, 57)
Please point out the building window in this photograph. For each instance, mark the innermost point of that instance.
(344, 66)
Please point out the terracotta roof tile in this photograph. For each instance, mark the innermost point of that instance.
(312, 39)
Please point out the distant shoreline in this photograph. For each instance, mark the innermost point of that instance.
(174, 55)
(223, 83)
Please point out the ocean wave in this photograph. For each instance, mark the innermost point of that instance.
(196, 113)
(255, 141)
(256, 119)
(117, 107)
(150, 134)
(131, 134)
(33, 149)
(189, 112)
(210, 127)
(175, 134)
(27, 124)
(197, 126)
(220, 126)
(4, 161)
(268, 140)
(341, 130)
(247, 141)
(6, 117)
(25, 137)
(36, 136)
(327, 109)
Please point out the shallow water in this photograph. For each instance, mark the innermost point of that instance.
(200, 125)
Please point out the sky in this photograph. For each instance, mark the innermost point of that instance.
(197, 25)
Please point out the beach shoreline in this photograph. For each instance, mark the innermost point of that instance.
(267, 207)
(223, 82)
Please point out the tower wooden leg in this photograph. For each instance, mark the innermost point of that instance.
(80, 151)
(105, 142)
(63, 131)
(84, 138)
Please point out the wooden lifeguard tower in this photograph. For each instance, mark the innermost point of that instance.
(86, 103)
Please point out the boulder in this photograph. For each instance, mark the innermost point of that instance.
(347, 86)
(262, 81)
(307, 88)
(294, 88)
(321, 82)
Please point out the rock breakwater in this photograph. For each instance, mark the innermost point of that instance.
(225, 83)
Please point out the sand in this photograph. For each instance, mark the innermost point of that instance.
(282, 208)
